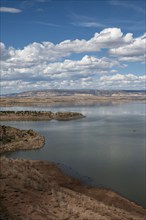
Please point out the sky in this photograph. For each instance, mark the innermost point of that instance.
(72, 44)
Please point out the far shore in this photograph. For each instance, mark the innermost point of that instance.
(69, 100)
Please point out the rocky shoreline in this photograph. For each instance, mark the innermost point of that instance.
(39, 190)
(12, 139)
(38, 116)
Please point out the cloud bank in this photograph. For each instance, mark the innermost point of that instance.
(46, 65)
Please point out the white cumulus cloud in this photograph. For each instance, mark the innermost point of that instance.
(10, 10)
(49, 65)
(109, 38)
(134, 51)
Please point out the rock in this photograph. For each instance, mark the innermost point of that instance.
(12, 139)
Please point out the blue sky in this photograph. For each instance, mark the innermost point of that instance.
(77, 44)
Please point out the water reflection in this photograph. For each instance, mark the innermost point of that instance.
(107, 147)
(102, 109)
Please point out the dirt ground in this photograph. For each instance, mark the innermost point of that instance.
(37, 190)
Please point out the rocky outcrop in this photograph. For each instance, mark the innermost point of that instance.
(38, 115)
(12, 139)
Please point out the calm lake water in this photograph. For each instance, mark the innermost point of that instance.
(107, 148)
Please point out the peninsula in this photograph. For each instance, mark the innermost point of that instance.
(38, 116)
(12, 139)
(39, 190)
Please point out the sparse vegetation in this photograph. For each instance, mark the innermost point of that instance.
(39, 190)
(71, 97)
(38, 115)
(12, 139)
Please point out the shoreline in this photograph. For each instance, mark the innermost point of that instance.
(13, 139)
(39, 116)
(41, 189)
(68, 100)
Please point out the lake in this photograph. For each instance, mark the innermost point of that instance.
(106, 149)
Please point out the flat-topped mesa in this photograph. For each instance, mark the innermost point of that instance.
(38, 115)
(12, 139)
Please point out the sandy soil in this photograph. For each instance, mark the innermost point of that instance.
(37, 190)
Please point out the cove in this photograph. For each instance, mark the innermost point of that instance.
(107, 148)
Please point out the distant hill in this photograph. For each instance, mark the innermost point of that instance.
(63, 92)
